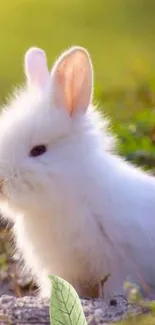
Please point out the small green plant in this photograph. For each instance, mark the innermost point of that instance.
(135, 297)
(66, 308)
(65, 305)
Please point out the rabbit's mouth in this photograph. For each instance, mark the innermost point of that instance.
(4, 197)
(6, 188)
(6, 192)
(2, 192)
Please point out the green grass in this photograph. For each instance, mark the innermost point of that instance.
(119, 35)
(120, 38)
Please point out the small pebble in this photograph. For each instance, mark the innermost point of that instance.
(113, 302)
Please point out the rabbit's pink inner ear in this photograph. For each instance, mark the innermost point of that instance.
(36, 67)
(74, 80)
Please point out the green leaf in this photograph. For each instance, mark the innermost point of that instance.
(65, 305)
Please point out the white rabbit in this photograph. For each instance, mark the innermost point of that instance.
(79, 210)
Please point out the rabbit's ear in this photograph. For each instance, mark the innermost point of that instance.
(72, 80)
(36, 68)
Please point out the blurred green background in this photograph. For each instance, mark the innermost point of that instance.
(119, 35)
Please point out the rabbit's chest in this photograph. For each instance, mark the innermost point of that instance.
(53, 245)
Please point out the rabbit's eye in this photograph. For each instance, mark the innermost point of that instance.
(37, 150)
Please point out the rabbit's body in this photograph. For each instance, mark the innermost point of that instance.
(80, 211)
(112, 233)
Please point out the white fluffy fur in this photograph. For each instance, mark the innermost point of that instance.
(79, 210)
